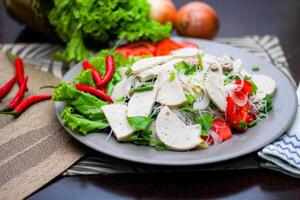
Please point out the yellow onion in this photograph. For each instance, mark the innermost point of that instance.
(197, 19)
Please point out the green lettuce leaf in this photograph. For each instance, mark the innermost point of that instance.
(81, 124)
(139, 123)
(103, 21)
(85, 77)
(206, 122)
(85, 104)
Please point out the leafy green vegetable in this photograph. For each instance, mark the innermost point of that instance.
(121, 100)
(267, 105)
(120, 61)
(85, 77)
(252, 124)
(81, 124)
(242, 125)
(200, 61)
(186, 68)
(206, 122)
(172, 76)
(144, 138)
(85, 104)
(143, 88)
(190, 98)
(104, 20)
(139, 123)
(255, 68)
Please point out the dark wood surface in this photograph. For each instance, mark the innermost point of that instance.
(238, 18)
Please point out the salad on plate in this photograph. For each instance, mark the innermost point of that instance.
(171, 96)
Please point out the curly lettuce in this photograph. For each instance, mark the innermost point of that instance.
(81, 124)
(105, 20)
(85, 104)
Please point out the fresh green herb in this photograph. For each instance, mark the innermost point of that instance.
(128, 72)
(84, 104)
(267, 106)
(252, 124)
(172, 76)
(103, 21)
(189, 97)
(186, 68)
(226, 73)
(231, 79)
(139, 123)
(143, 88)
(200, 63)
(121, 100)
(242, 125)
(85, 77)
(144, 138)
(206, 122)
(255, 69)
(81, 124)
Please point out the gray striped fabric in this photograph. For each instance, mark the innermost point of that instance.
(266, 47)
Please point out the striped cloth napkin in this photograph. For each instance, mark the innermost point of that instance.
(284, 154)
(266, 47)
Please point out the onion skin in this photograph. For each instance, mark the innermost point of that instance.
(197, 19)
(163, 11)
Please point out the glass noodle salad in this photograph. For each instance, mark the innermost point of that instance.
(182, 101)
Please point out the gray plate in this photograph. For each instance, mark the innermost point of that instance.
(280, 118)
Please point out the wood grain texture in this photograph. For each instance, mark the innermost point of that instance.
(238, 18)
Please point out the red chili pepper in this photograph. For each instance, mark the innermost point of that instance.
(96, 75)
(28, 102)
(19, 96)
(110, 69)
(5, 89)
(20, 71)
(93, 91)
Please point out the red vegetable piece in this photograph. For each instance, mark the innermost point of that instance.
(237, 115)
(98, 93)
(6, 88)
(246, 86)
(222, 128)
(19, 96)
(96, 75)
(123, 50)
(110, 69)
(30, 101)
(165, 47)
(140, 51)
(20, 71)
(149, 45)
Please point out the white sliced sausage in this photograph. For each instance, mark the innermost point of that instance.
(116, 115)
(141, 103)
(215, 89)
(155, 71)
(122, 88)
(174, 133)
(147, 63)
(265, 85)
(170, 93)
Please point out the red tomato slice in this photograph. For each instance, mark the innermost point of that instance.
(123, 50)
(143, 43)
(222, 128)
(250, 118)
(140, 51)
(237, 115)
(188, 44)
(165, 47)
(247, 86)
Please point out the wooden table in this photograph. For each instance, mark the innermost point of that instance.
(238, 18)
